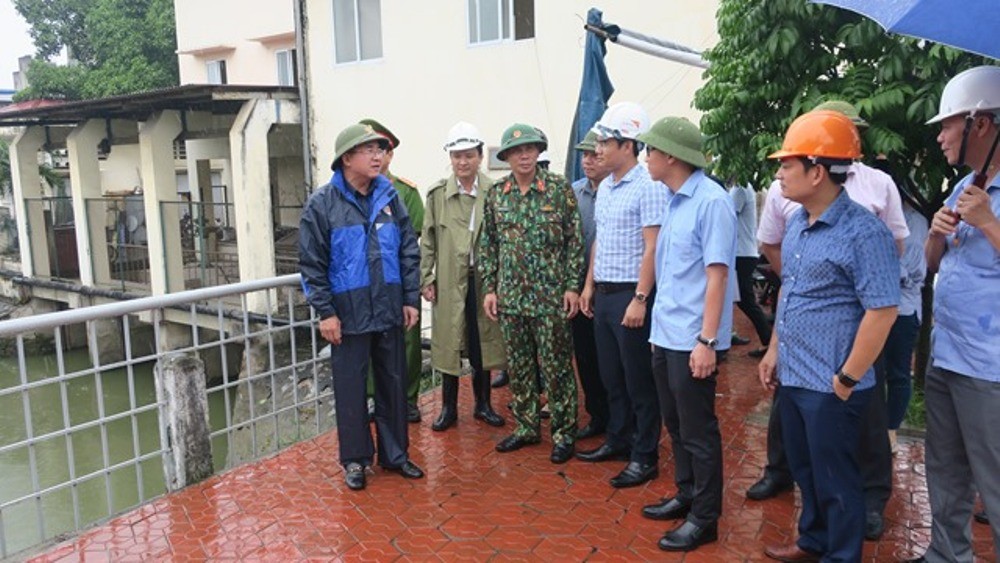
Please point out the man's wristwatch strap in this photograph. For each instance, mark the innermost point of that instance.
(710, 342)
(846, 380)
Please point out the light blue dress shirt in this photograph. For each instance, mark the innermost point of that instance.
(698, 229)
(913, 264)
(966, 337)
(831, 272)
(585, 197)
(621, 211)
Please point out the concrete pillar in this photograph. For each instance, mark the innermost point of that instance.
(251, 188)
(27, 183)
(180, 387)
(85, 170)
(159, 184)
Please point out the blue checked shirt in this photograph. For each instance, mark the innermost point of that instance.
(622, 210)
(832, 272)
(966, 337)
(699, 230)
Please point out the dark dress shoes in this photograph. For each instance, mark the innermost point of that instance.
(874, 525)
(412, 413)
(500, 380)
(635, 474)
(981, 517)
(515, 442)
(738, 340)
(757, 352)
(689, 536)
(669, 509)
(408, 470)
(561, 453)
(489, 416)
(790, 553)
(354, 476)
(768, 487)
(604, 452)
(589, 431)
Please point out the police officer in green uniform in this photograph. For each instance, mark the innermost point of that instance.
(414, 204)
(530, 255)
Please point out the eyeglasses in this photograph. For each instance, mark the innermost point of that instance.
(371, 150)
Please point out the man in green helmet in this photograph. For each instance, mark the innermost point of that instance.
(408, 192)
(530, 258)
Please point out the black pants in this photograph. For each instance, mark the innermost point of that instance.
(585, 350)
(874, 453)
(688, 407)
(349, 362)
(624, 361)
(745, 266)
(473, 348)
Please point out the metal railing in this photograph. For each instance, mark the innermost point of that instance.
(209, 254)
(86, 434)
(118, 239)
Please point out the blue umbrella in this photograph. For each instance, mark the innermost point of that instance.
(969, 25)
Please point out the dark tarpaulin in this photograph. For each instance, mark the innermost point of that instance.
(595, 91)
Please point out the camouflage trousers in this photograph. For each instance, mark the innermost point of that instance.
(541, 345)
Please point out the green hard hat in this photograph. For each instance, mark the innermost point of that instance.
(589, 143)
(677, 137)
(845, 108)
(520, 134)
(352, 136)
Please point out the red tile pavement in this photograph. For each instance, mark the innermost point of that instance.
(477, 505)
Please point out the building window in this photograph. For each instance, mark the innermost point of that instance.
(288, 69)
(357, 30)
(490, 20)
(216, 72)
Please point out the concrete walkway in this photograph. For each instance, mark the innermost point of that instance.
(478, 505)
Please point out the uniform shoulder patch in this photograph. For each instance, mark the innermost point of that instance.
(406, 182)
(437, 185)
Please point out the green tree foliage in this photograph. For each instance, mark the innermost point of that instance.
(117, 47)
(779, 58)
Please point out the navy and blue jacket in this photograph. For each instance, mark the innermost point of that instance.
(359, 262)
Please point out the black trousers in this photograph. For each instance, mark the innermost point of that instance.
(349, 362)
(624, 361)
(874, 453)
(688, 407)
(745, 266)
(585, 350)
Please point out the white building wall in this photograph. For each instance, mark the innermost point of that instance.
(430, 77)
(244, 33)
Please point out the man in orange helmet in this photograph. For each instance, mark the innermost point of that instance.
(838, 300)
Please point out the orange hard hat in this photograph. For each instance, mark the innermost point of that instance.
(821, 134)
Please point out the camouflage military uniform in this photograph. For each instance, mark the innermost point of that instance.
(531, 252)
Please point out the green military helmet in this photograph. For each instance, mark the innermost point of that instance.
(520, 134)
(845, 108)
(382, 130)
(589, 143)
(677, 137)
(352, 136)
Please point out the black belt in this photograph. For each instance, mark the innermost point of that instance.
(614, 287)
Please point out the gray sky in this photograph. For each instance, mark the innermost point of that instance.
(14, 42)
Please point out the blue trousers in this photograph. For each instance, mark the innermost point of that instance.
(898, 354)
(821, 435)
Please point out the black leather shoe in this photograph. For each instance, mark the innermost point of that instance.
(354, 476)
(768, 487)
(688, 536)
(561, 453)
(604, 452)
(408, 470)
(738, 340)
(981, 517)
(500, 380)
(757, 352)
(668, 509)
(874, 525)
(412, 413)
(488, 415)
(635, 474)
(515, 442)
(589, 431)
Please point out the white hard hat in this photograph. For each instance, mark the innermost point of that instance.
(544, 157)
(969, 92)
(463, 136)
(626, 120)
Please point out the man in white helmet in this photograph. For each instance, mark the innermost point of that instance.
(618, 294)
(452, 219)
(962, 388)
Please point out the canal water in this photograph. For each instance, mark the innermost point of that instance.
(99, 494)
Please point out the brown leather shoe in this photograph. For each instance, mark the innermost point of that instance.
(791, 553)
